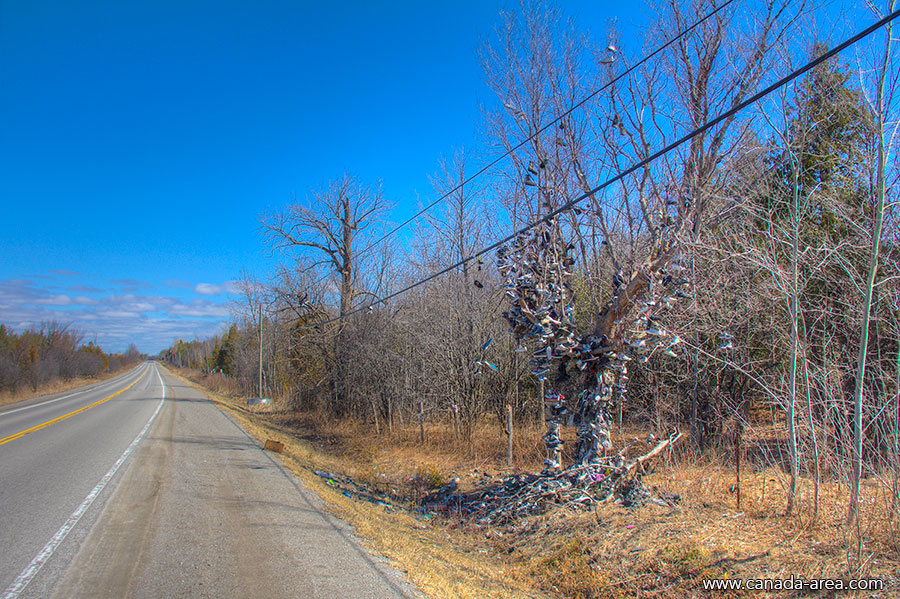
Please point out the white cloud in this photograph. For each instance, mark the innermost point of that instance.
(210, 289)
(55, 300)
(201, 309)
(119, 314)
(152, 322)
(207, 289)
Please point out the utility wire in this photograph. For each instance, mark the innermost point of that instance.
(579, 104)
(622, 174)
(556, 120)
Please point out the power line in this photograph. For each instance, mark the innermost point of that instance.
(553, 122)
(579, 104)
(638, 165)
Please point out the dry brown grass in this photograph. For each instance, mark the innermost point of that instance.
(7, 398)
(661, 552)
(610, 551)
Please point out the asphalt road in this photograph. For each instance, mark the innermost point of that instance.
(140, 487)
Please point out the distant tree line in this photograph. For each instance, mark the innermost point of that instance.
(789, 331)
(50, 352)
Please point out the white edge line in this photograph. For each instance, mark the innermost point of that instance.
(49, 401)
(46, 553)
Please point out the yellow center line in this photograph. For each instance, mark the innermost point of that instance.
(70, 414)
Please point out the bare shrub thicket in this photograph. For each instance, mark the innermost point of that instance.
(53, 351)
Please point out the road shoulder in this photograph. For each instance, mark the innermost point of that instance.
(202, 511)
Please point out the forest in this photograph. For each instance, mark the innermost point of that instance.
(53, 352)
(729, 181)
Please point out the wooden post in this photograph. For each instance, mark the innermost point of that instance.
(421, 423)
(509, 435)
(516, 370)
(260, 353)
(375, 414)
(454, 409)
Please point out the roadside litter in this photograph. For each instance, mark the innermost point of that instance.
(354, 490)
(271, 445)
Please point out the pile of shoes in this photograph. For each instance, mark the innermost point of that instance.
(577, 487)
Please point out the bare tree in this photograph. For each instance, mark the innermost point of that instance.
(885, 85)
(329, 225)
(662, 207)
(322, 235)
(461, 312)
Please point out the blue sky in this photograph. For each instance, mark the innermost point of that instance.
(140, 142)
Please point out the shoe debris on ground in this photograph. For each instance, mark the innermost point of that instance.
(576, 487)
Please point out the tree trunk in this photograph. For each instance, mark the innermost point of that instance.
(793, 491)
(895, 502)
(856, 462)
(812, 429)
(421, 423)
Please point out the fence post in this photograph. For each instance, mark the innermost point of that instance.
(421, 423)
(509, 435)
(454, 409)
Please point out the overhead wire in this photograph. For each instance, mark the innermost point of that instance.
(540, 130)
(638, 165)
(555, 121)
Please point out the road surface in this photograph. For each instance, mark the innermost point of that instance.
(140, 487)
